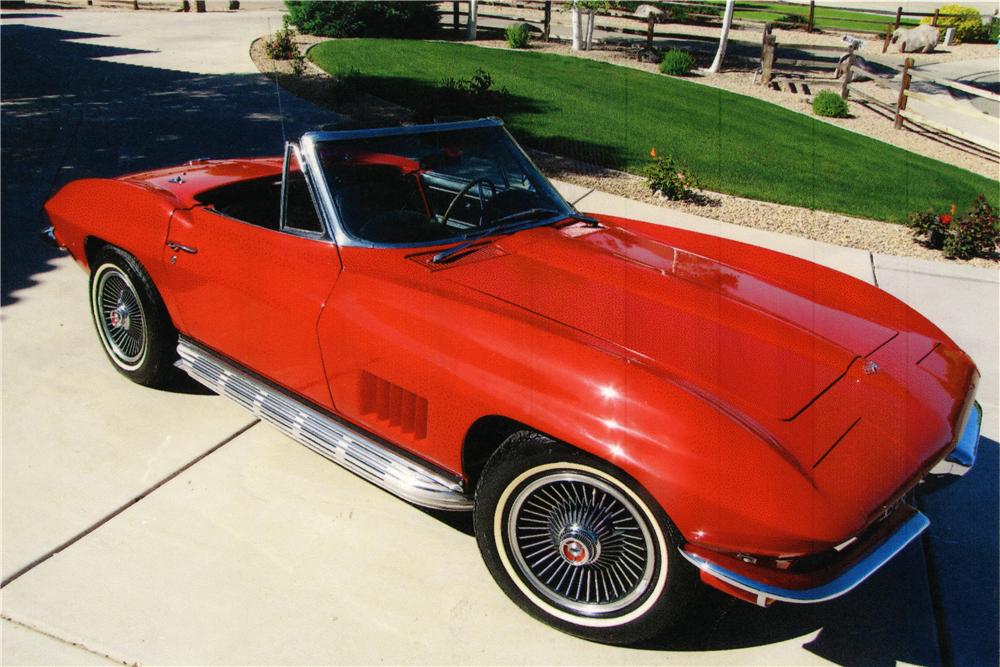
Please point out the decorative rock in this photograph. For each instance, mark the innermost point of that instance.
(645, 11)
(921, 39)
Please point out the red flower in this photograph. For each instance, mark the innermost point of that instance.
(652, 152)
(944, 219)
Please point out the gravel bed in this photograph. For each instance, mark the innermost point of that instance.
(837, 229)
(834, 228)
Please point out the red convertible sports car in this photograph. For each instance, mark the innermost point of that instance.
(625, 407)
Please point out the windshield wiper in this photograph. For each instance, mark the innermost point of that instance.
(530, 217)
(501, 226)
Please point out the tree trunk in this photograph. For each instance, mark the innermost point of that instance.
(575, 16)
(720, 55)
(470, 26)
(590, 28)
(199, 6)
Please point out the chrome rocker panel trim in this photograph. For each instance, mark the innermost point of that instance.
(962, 458)
(848, 580)
(327, 437)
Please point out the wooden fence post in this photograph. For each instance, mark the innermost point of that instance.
(454, 16)
(888, 36)
(547, 21)
(934, 19)
(904, 86)
(650, 22)
(812, 13)
(767, 55)
(845, 87)
(899, 15)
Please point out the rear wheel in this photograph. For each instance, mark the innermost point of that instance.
(578, 544)
(131, 320)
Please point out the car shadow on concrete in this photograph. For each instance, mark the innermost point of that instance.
(68, 114)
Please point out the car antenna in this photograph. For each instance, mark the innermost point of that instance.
(277, 89)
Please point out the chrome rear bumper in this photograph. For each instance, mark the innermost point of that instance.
(908, 531)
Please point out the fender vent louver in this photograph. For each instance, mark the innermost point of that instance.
(394, 406)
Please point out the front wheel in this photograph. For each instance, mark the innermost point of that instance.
(131, 320)
(579, 545)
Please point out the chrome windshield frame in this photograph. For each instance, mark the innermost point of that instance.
(309, 146)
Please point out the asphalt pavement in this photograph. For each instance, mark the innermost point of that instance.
(145, 526)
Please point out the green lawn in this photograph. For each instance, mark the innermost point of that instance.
(613, 115)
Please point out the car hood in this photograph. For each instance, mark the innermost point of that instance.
(767, 342)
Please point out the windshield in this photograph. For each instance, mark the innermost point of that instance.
(432, 187)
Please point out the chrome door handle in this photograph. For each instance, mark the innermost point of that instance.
(177, 247)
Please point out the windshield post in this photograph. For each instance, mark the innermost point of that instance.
(290, 149)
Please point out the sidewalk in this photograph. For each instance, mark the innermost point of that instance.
(166, 527)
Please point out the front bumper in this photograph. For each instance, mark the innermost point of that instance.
(764, 593)
(961, 459)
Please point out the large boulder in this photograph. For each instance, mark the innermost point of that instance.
(921, 39)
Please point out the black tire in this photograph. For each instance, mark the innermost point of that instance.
(131, 320)
(542, 515)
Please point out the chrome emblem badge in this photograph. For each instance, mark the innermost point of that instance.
(871, 368)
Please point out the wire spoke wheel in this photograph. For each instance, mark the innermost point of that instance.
(120, 316)
(581, 543)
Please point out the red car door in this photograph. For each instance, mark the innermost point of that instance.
(253, 294)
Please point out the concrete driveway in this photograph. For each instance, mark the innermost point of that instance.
(144, 526)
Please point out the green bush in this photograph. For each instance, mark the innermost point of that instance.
(830, 104)
(976, 233)
(346, 84)
(281, 45)
(665, 176)
(471, 97)
(968, 26)
(363, 19)
(677, 63)
(518, 35)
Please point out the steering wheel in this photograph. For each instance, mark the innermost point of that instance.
(461, 193)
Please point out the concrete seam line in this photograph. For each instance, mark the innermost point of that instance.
(581, 197)
(50, 635)
(871, 260)
(86, 531)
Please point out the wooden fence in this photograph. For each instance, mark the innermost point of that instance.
(538, 14)
(800, 62)
(906, 93)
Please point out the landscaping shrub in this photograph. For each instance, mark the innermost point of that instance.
(968, 26)
(665, 176)
(518, 35)
(281, 45)
(472, 97)
(346, 83)
(363, 19)
(830, 104)
(792, 21)
(677, 63)
(976, 233)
